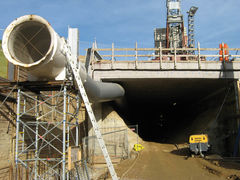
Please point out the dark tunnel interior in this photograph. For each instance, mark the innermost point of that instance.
(166, 109)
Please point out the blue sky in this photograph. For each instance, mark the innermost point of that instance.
(126, 21)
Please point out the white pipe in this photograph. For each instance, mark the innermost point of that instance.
(30, 42)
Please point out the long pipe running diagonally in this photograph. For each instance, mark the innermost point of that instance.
(30, 42)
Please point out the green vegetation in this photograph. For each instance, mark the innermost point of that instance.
(3, 63)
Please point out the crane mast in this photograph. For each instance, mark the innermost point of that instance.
(191, 39)
(174, 35)
(175, 25)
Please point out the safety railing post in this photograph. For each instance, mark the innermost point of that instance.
(160, 55)
(199, 56)
(136, 54)
(112, 55)
(175, 56)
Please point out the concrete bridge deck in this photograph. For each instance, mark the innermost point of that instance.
(167, 69)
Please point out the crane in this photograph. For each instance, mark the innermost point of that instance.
(175, 24)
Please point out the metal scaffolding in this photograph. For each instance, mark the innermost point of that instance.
(47, 125)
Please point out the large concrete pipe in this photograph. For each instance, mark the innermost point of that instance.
(31, 42)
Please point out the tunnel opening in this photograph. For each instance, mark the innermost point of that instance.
(29, 42)
(170, 110)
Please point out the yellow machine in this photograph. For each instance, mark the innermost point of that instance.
(138, 147)
(199, 143)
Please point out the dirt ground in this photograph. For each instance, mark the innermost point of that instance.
(167, 161)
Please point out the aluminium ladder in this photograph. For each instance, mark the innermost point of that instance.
(91, 115)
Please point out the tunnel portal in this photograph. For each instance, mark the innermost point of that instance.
(169, 110)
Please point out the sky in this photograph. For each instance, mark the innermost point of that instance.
(124, 22)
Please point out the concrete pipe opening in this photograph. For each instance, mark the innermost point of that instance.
(29, 42)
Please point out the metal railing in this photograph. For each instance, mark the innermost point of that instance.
(173, 54)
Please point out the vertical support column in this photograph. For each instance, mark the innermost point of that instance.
(199, 56)
(73, 42)
(112, 54)
(68, 127)
(67, 120)
(136, 54)
(23, 136)
(17, 130)
(36, 139)
(160, 55)
(77, 123)
(64, 133)
(175, 56)
(24, 105)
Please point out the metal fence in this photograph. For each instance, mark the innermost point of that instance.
(80, 171)
(162, 53)
(116, 142)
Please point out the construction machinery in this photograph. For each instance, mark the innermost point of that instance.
(175, 34)
(199, 144)
(175, 25)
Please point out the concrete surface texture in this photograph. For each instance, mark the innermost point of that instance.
(153, 69)
(112, 119)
